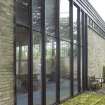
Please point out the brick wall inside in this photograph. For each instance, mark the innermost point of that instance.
(96, 53)
(6, 53)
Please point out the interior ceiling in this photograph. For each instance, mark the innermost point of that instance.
(22, 19)
(21, 35)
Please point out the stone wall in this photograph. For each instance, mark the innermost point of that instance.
(6, 53)
(96, 53)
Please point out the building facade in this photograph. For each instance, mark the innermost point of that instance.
(48, 50)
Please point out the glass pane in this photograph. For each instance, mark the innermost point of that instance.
(50, 71)
(21, 75)
(65, 70)
(75, 50)
(36, 15)
(50, 13)
(22, 12)
(74, 24)
(81, 18)
(22, 21)
(36, 26)
(37, 80)
(81, 27)
(64, 19)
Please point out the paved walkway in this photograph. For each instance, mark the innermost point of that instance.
(102, 90)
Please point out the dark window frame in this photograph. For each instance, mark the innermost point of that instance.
(43, 60)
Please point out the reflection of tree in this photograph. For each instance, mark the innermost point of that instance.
(51, 59)
(64, 58)
(74, 27)
(75, 51)
(36, 14)
(64, 27)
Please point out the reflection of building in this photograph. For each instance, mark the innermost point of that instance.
(47, 55)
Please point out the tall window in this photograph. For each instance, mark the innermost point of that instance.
(64, 50)
(37, 45)
(42, 47)
(22, 28)
(81, 46)
(75, 49)
(50, 16)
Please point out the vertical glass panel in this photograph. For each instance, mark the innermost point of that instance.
(81, 45)
(21, 74)
(74, 24)
(75, 51)
(50, 71)
(22, 12)
(65, 70)
(22, 21)
(50, 16)
(36, 27)
(37, 80)
(81, 19)
(64, 19)
(50, 13)
(36, 15)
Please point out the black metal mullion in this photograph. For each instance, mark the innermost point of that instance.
(79, 51)
(14, 53)
(30, 56)
(43, 53)
(71, 50)
(86, 54)
(58, 55)
(20, 56)
(83, 55)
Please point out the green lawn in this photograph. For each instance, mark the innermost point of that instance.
(87, 99)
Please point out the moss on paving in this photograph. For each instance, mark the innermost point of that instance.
(87, 99)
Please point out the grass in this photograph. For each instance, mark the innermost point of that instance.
(87, 99)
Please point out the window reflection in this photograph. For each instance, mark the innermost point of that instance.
(81, 18)
(22, 36)
(75, 52)
(64, 19)
(36, 27)
(50, 14)
(21, 74)
(50, 71)
(64, 50)
(65, 70)
(37, 68)
(81, 45)
(74, 24)
(75, 49)
(22, 17)
(22, 21)
(36, 15)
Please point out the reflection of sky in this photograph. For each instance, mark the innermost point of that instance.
(74, 14)
(99, 5)
(64, 9)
